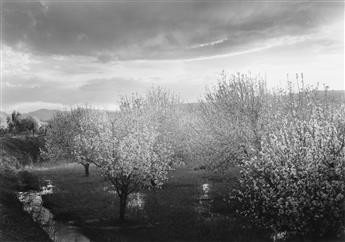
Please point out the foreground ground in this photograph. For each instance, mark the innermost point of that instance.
(15, 224)
(190, 207)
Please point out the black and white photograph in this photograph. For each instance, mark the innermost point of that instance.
(172, 121)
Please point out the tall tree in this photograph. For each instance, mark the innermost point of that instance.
(3, 123)
(14, 122)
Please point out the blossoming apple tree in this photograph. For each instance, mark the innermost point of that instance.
(296, 184)
(129, 149)
(231, 120)
(61, 133)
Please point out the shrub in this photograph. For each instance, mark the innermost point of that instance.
(296, 184)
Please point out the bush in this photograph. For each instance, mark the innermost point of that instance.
(296, 184)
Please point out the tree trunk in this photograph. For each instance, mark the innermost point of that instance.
(123, 205)
(86, 167)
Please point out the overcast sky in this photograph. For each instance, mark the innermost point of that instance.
(69, 52)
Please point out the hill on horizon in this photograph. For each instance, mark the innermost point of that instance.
(44, 114)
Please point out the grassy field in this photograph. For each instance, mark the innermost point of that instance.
(183, 210)
(189, 207)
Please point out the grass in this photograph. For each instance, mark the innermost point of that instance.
(173, 213)
(76, 197)
(176, 212)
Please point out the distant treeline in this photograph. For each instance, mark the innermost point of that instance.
(16, 123)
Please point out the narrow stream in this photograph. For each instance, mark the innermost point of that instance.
(57, 231)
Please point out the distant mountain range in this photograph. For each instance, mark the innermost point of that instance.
(42, 114)
(46, 114)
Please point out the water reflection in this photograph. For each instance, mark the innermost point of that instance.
(204, 205)
(136, 201)
(205, 189)
(58, 232)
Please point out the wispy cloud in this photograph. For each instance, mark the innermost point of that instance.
(212, 43)
(15, 62)
(267, 44)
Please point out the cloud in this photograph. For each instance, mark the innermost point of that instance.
(268, 44)
(105, 58)
(15, 61)
(155, 30)
(93, 52)
(216, 42)
(115, 86)
(21, 89)
(17, 89)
